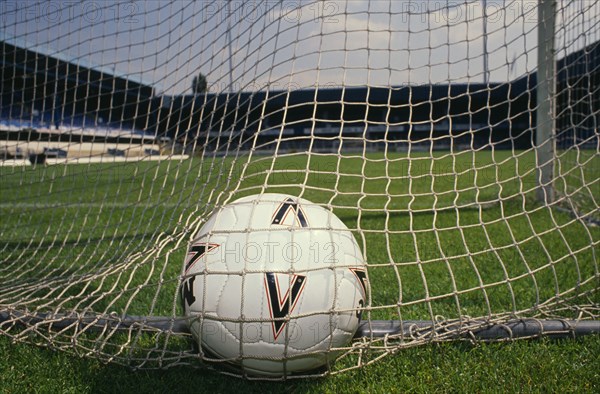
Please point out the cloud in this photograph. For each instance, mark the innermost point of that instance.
(304, 43)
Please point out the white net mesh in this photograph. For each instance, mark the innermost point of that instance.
(377, 111)
(577, 99)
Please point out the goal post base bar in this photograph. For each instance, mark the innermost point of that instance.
(480, 329)
(475, 329)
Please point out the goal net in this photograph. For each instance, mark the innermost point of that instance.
(469, 179)
(576, 99)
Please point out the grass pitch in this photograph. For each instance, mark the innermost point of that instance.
(464, 233)
(570, 366)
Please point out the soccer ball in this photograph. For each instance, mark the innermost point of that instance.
(274, 285)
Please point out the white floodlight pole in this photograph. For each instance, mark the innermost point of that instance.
(486, 79)
(229, 45)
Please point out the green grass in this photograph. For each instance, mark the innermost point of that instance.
(464, 230)
(570, 366)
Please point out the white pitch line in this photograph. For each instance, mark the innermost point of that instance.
(93, 160)
(26, 205)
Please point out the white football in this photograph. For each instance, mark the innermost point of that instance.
(273, 284)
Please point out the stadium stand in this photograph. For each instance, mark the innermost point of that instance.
(56, 106)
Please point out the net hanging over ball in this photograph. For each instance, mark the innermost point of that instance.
(279, 189)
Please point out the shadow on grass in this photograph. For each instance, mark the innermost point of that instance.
(536, 365)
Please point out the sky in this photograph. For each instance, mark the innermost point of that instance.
(273, 44)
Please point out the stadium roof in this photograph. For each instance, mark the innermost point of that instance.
(582, 62)
(79, 62)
